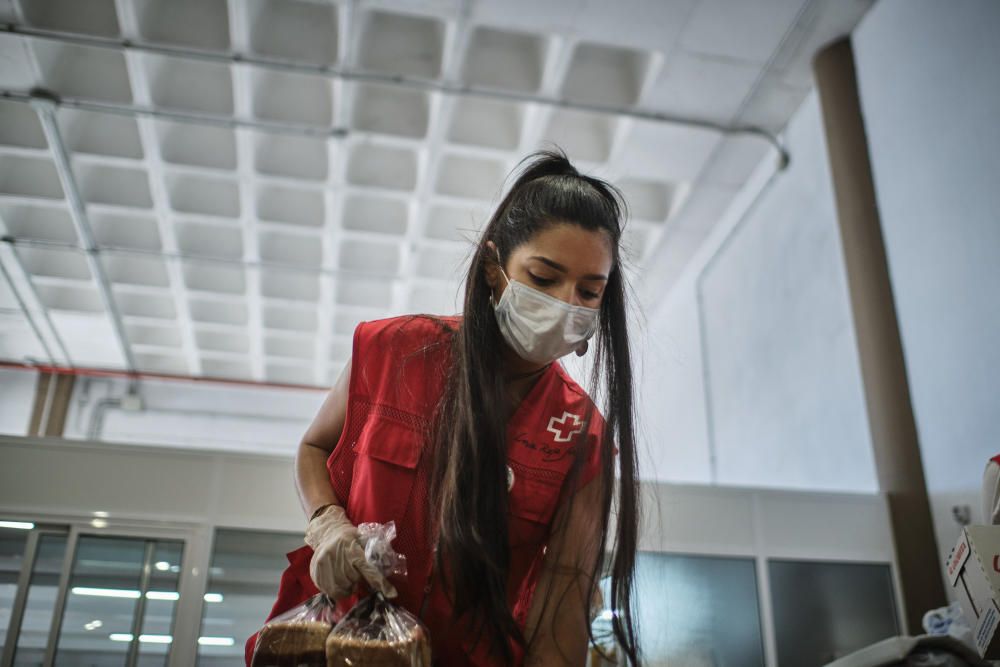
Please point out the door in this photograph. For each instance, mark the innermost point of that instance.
(88, 597)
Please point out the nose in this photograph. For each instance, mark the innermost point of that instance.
(569, 294)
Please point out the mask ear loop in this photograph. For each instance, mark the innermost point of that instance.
(502, 272)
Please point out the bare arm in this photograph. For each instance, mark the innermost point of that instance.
(311, 477)
(557, 622)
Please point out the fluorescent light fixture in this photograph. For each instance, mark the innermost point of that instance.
(100, 514)
(213, 597)
(93, 625)
(106, 593)
(162, 595)
(99, 523)
(17, 525)
(162, 565)
(216, 641)
(143, 639)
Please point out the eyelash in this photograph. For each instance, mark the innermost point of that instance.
(545, 282)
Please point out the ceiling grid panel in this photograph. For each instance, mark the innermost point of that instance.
(160, 203)
(329, 365)
(442, 106)
(246, 173)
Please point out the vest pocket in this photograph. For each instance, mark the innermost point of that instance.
(384, 471)
(532, 502)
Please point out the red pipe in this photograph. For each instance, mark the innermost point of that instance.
(101, 372)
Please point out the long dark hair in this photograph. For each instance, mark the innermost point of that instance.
(471, 423)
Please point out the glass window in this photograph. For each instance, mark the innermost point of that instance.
(823, 611)
(696, 610)
(242, 587)
(41, 600)
(12, 543)
(161, 603)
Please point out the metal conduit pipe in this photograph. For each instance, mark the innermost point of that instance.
(328, 71)
(46, 109)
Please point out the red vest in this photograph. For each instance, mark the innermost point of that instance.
(381, 468)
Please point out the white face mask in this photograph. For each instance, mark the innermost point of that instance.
(541, 328)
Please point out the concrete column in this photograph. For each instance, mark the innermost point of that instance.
(883, 369)
(52, 396)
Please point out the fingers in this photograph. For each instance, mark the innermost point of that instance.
(370, 573)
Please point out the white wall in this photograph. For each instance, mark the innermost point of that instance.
(774, 345)
(17, 395)
(929, 74)
(193, 415)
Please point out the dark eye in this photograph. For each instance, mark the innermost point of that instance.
(541, 282)
(590, 296)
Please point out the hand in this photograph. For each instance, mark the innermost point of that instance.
(338, 561)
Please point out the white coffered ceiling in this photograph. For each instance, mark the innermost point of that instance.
(225, 189)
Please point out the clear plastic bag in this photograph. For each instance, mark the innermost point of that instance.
(296, 638)
(376, 631)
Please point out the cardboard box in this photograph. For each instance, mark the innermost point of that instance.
(974, 573)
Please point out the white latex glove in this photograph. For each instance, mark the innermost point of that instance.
(338, 561)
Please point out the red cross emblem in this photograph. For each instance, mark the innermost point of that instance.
(564, 431)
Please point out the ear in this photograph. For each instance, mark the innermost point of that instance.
(490, 266)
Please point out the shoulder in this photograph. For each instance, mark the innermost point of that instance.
(406, 333)
(577, 400)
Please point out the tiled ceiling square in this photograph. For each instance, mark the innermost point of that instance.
(67, 297)
(42, 223)
(85, 72)
(218, 311)
(291, 156)
(125, 230)
(364, 292)
(435, 299)
(29, 177)
(583, 135)
(446, 263)
(203, 24)
(605, 75)
(222, 340)
(171, 364)
(100, 133)
(505, 60)
(287, 373)
(148, 334)
(19, 126)
(189, 85)
(401, 44)
(295, 206)
(674, 153)
(305, 250)
(300, 31)
(290, 318)
(391, 110)
(135, 270)
(189, 193)
(118, 186)
(209, 240)
(276, 283)
(647, 200)
(375, 214)
(214, 277)
(382, 166)
(483, 122)
(289, 97)
(197, 145)
(146, 304)
(92, 17)
(369, 257)
(291, 347)
(55, 263)
(454, 223)
(226, 368)
(472, 177)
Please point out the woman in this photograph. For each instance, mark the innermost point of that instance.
(496, 467)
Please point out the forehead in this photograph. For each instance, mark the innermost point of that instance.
(583, 250)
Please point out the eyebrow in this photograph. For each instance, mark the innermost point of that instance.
(560, 267)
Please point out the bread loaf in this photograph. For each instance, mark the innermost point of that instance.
(292, 644)
(413, 651)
